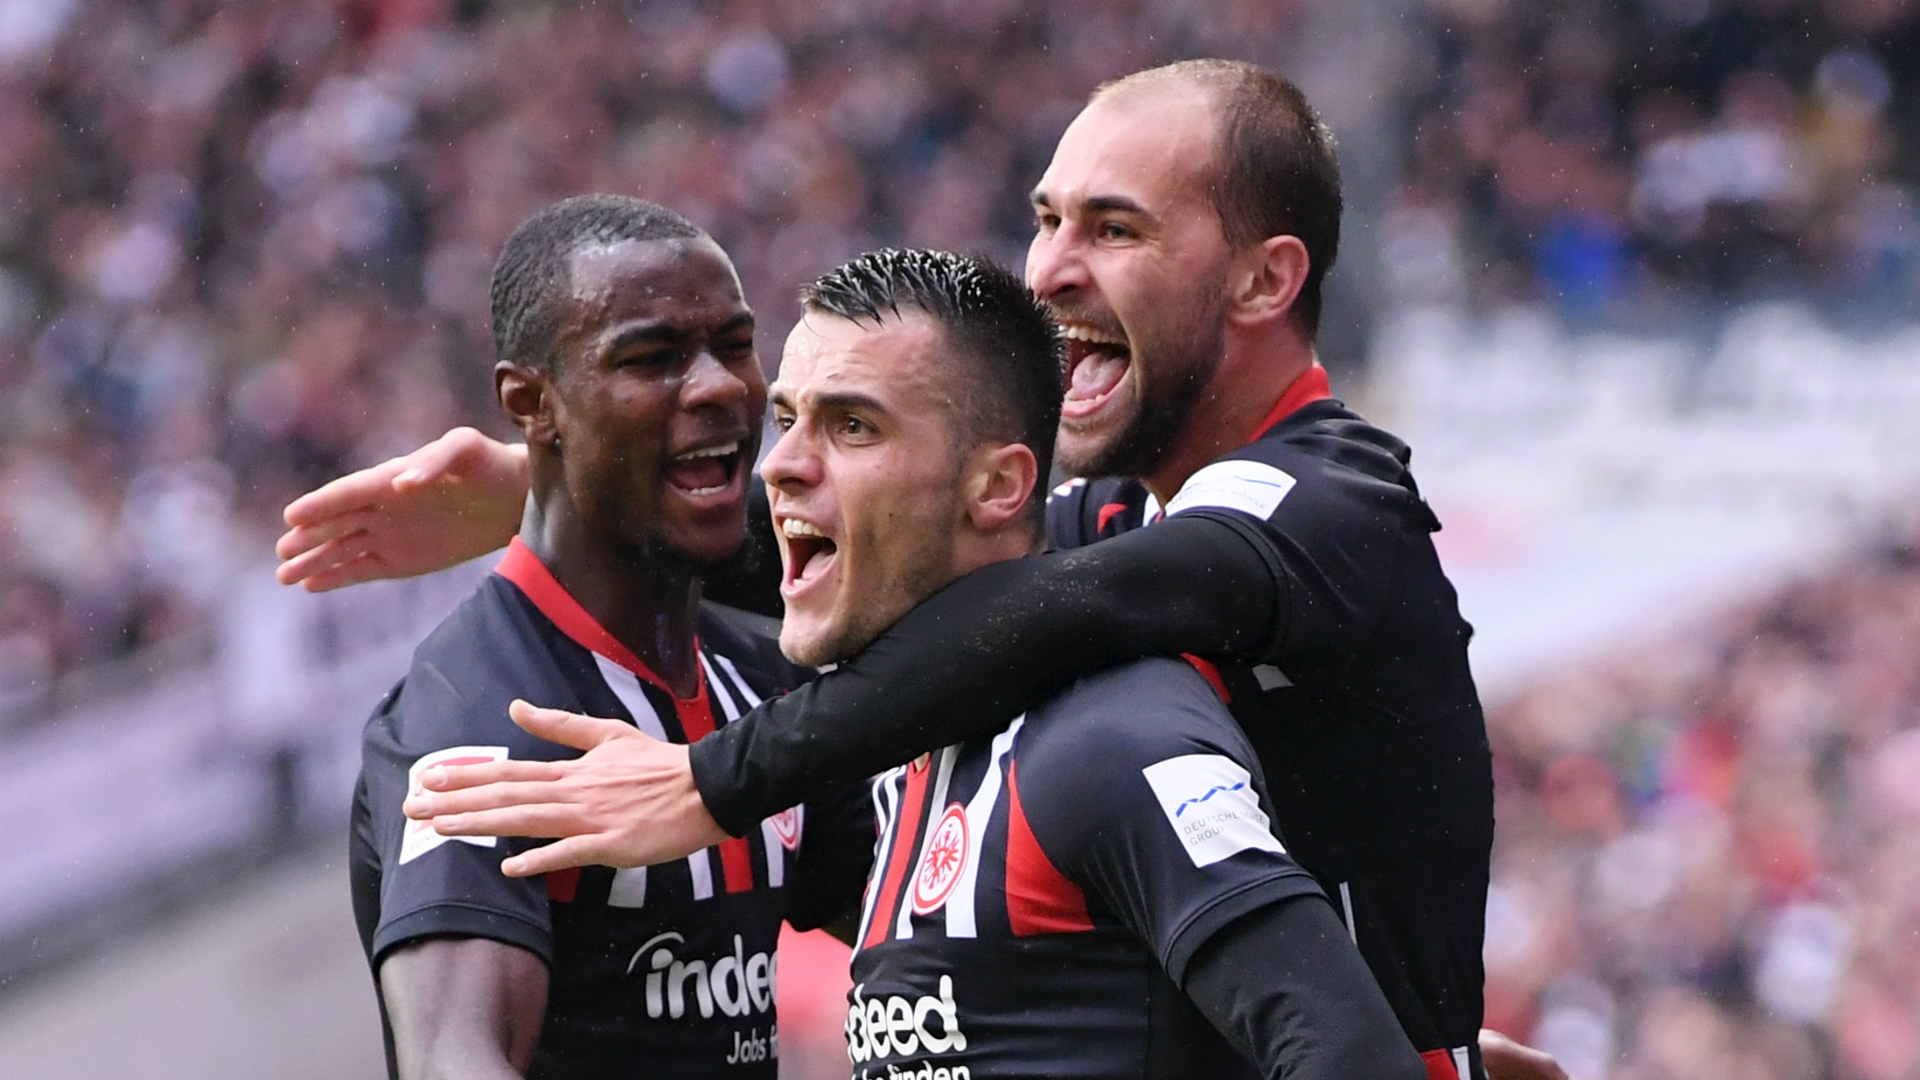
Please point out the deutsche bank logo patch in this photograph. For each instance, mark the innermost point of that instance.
(1247, 486)
(1210, 802)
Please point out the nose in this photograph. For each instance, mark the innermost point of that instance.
(794, 462)
(710, 383)
(1053, 262)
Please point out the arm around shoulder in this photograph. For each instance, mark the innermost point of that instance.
(1007, 637)
(456, 498)
(467, 1008)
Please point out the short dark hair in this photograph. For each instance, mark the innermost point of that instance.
(1277, 172)
(532, 271)
(1011, 390)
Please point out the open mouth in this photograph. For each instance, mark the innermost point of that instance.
(708, 471)
(810, 553)
(1097, 362)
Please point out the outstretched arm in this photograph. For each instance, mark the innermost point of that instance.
(964, 663)
(463, 1008)
(986, 648)
(456, 498)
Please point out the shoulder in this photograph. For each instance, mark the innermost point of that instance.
(1082, 511)
(1127, 718)
(1327, 438)
(492, 648)
(1324, 462)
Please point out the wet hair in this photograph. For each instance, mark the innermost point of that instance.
(1011, 360)
(1276, 172)
(532, 275)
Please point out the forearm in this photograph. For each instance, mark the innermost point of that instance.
(1291, 993)
(989, 646)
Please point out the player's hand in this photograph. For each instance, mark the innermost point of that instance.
(454, 499)
(1509, 1060)
(628, 801)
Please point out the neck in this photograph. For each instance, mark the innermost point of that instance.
(1254, 371)
(974, 550)
(649, 603)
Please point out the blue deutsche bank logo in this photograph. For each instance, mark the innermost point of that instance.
(1211, 792)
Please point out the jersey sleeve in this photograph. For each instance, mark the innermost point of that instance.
(440, 886)
(988, 647)
(1138, 787)
(836, 852)
(1328, 530)
(1287, 988)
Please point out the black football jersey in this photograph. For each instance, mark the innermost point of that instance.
(663, 971)
(1037, 894)
(1365, 715)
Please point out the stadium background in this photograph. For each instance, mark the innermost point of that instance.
(1636, 278)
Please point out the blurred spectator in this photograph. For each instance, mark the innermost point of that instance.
(245, 247)
(1600, 154)
(1708, 862)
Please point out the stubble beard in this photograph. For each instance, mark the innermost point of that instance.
(1163, 407)
(927, 571)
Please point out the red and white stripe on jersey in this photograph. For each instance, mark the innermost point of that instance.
(1454, 1064)
(914, 871)
(1040, 899)
(623, 671)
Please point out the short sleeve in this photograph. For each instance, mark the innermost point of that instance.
(1139, 787)
(440, 886)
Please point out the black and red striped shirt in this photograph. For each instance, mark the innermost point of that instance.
(663, 971)
(1039, 893)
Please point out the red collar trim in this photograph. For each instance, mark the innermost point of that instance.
(522, 567)
(1310, 387)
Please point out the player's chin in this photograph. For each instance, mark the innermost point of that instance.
(1083, 452)
(809, 638)
(707, 544)
(1083, 442)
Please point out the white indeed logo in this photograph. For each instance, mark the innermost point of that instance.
(896, 1026)
(736, 984)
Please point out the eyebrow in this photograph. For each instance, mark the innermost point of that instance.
(659, 330)
(840, 400)
(1095, 203)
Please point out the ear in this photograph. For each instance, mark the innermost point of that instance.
(1266, 280)
(526, 397)
(1001, 483)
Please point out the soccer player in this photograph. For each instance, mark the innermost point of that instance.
(1183, 230)
(627, 361)
(1078, 893)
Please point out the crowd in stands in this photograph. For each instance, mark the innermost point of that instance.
(1707, 862)
(244, 247)
(1612, 155)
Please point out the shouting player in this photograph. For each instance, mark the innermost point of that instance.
(1184, 229)
(1081, 892)
(627, 361)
